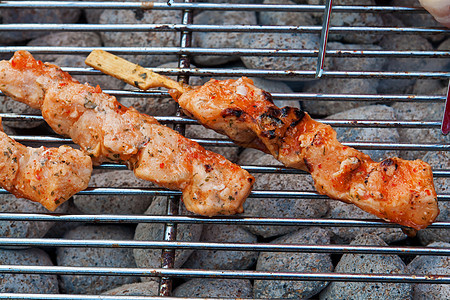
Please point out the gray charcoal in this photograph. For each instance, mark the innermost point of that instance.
(433, 86)
(211, 287)
(344, 86)
(115, 204)
(355, 134)
(344, 235)
(75, 39)
(151, 258)
(273, 86)
(356, 63)
(148, 39)
(368, 264)
(223, 260)
(219, 40)
(33, 15)
(445, 45)
(200, 132)
(275, 40)
(294, 262)
(285, 17)
(27, 283)
(8, 130)
(401, 42)
(152, 105)
(439, 160)
(282, 207)
(349, 86)
(7, 105)
(419, 112)
(95, 257)
(418, 20)
(148, 288)
(60, 228)
(427, 86)
(425, 265)
(93, 15)
(348, 19)
(24, 229)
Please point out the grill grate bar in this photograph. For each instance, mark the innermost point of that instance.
(206, 6)
(228, 52)
(276, 96)
(173, 202)
(241, 274)
(253, 194)
(437, 173)
(334, 123)
(218, 28)
(336, 249)
(281, 73)
(228, 143)
(236, 220)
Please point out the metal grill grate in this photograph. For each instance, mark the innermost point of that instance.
(184, 51)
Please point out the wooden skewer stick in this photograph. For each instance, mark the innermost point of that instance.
(129, 72)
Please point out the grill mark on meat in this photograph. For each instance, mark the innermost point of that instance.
(270, 134)
(308, 165)
(267, 96)
(387, 162)
(271, 118)
(235, 112)
(317, 140)
(298, 115)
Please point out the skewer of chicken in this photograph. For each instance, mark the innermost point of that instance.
(109, 131)
(49, 176)
(395, 190)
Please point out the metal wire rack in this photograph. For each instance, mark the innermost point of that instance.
(184, 51)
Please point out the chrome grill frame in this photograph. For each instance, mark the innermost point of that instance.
(171, 219)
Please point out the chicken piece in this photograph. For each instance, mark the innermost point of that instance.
(49, 176)
(395, 190)
(109, 131)
(439, 9)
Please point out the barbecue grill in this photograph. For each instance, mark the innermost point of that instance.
(168, 275)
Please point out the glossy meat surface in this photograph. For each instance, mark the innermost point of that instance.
(395, 190)
(49, 176)
(109, 131)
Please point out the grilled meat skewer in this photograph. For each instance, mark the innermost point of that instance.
(395, 190)
(49, 176)
(109, 131)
